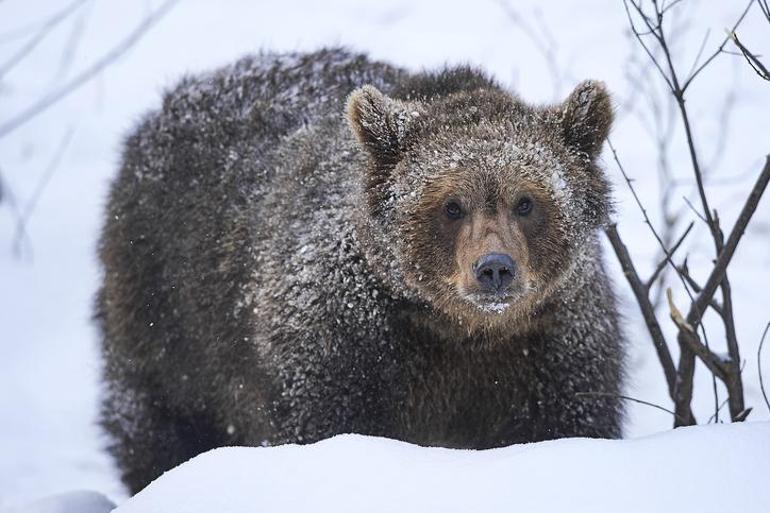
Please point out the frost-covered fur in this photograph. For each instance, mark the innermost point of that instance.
(274, 270)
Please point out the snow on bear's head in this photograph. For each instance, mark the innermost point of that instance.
(487, 201)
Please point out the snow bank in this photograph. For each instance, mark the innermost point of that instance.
(707, 468)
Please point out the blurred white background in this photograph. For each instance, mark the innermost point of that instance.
(49, 364)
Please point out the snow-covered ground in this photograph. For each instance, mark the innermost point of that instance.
(705, 469)
(49, 365)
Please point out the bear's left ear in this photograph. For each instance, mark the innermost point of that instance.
(586, 117)
(380, 123)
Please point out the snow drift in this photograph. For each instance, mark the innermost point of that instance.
(703, 468)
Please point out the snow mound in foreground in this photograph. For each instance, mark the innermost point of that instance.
(706, 468)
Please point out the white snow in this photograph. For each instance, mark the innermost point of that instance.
(49, 366)
(70, 502)
(704, 469)
(494, 307)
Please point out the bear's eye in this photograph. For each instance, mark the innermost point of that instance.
(524, 207)
(453, 210)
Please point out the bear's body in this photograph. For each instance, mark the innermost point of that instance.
(274, 276)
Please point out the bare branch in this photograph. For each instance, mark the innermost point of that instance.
(641, 293)
(725, 368)
(46, 29)
(714, 364)
(765, 9)
(688, 345)
(647, 221)
(715, 278)
(719, 49)
(640, 39)
(678, 91)
(89, 73)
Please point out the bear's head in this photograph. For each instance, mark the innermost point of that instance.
(486, 203)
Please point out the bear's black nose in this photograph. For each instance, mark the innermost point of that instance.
(495, 271)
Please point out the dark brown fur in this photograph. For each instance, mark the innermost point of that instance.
(276, 272)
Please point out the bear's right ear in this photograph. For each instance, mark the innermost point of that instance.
(586, 117)
(381, 124)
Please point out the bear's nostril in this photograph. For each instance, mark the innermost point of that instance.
(495, 271)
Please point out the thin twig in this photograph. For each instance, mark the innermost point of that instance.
(10, 198)
(628, 398)
(545, 44)
(722, 137)
(715, 415)
(697, 288)
(29, 207)
(694, 210)
(70, 48)
(700, 51)
(662, 264)
(665, 9)
(751, 58)
(759, 366)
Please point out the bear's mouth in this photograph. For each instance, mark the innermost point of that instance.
(498, 302)
(492, 302)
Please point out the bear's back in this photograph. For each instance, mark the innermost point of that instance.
(242, 111)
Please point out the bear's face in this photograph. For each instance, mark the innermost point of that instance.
(487, 201)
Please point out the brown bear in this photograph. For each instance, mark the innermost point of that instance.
(301, 245)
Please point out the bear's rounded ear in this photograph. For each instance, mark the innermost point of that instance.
(586, 117)
(381, 124)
